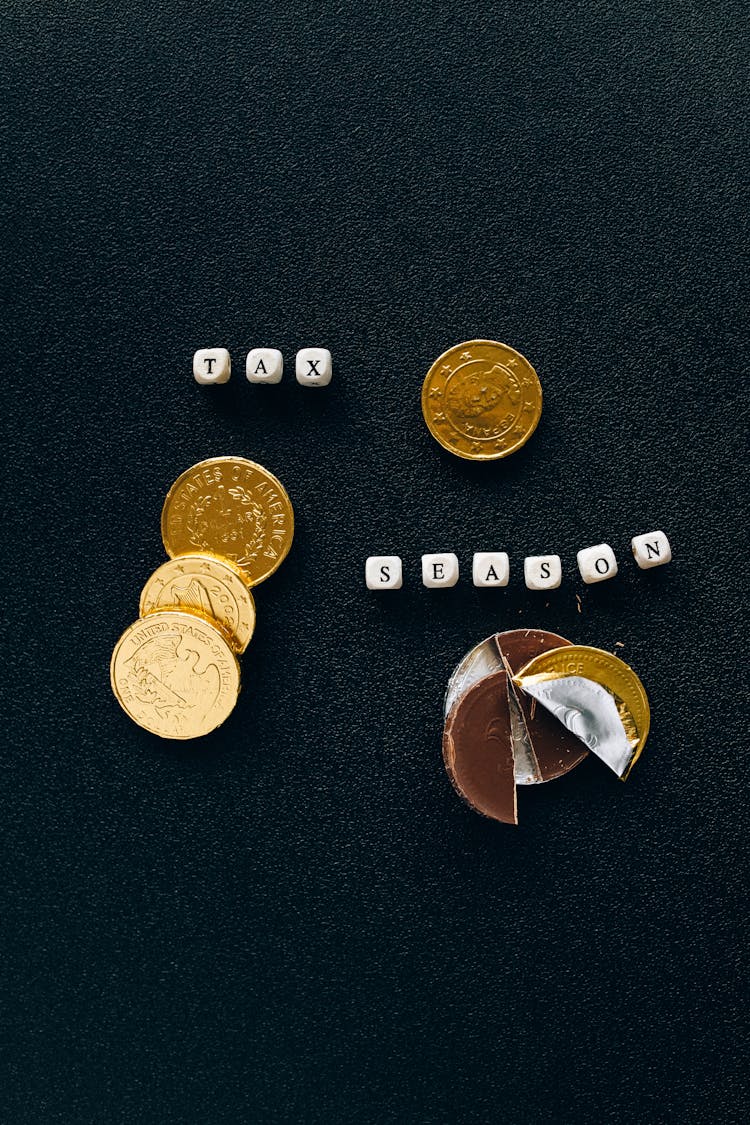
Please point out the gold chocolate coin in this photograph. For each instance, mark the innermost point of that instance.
(207, 586)
(174, 674)
(481, 400)
(606, 670)
(230, 507)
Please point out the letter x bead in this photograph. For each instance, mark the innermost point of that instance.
(212, 365)
(383, 572)
(597, 563)
(313, 367)
(439, 570)
(651, 549)
(264, 365)
(542, 572)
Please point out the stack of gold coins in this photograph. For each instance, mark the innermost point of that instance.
(227, 524)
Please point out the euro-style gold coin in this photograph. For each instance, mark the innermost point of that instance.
(606, 670)
(481, 400)
(208, 586)
(175, 674)
(231, 507)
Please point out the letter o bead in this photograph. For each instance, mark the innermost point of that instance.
(651, 549)
(597, 563)
(383, 572)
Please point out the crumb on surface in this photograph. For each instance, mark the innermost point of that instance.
(578, 599)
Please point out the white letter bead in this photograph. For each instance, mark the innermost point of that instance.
(439, 570)
(651, 549)
(314, 367)
(491, 568)
(212, 365)
(597, 563)
(383, 572)
(264, 365)
(542, 572)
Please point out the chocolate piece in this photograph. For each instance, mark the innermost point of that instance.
(478, 749)
(556, 749)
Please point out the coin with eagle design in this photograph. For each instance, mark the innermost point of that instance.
(231, 507)
(175, 675)
(208, 586)
(481, 400)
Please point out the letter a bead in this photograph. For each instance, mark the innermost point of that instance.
(383, 572)
(651, 549)
(211, 365)
(490, 568)
(264, 365)
(597, 563)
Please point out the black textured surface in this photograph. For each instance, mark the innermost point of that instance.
(296, 920)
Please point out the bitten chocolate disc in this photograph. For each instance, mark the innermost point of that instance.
(478, 749)
(543, 748)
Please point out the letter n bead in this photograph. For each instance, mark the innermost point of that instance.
(652, 549)
(597, 563)
(211, 365)
(383, 572)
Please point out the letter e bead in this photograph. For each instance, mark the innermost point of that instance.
(597, 563)
(383, 572)
(211, 365)
(542, 572)
(651, 549)
(439, 570)
(313, 367)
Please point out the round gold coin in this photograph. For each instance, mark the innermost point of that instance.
(230, 507)
(175, 674)
(207, 586)
(481, 400)
(610, 672)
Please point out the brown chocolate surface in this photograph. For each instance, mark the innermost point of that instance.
(555, 749)
(478, 749)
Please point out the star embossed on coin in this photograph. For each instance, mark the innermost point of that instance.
(207, 586)
(486, 390)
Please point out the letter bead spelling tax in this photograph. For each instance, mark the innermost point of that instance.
(313, 367)
(264, 365)
(212, 365)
